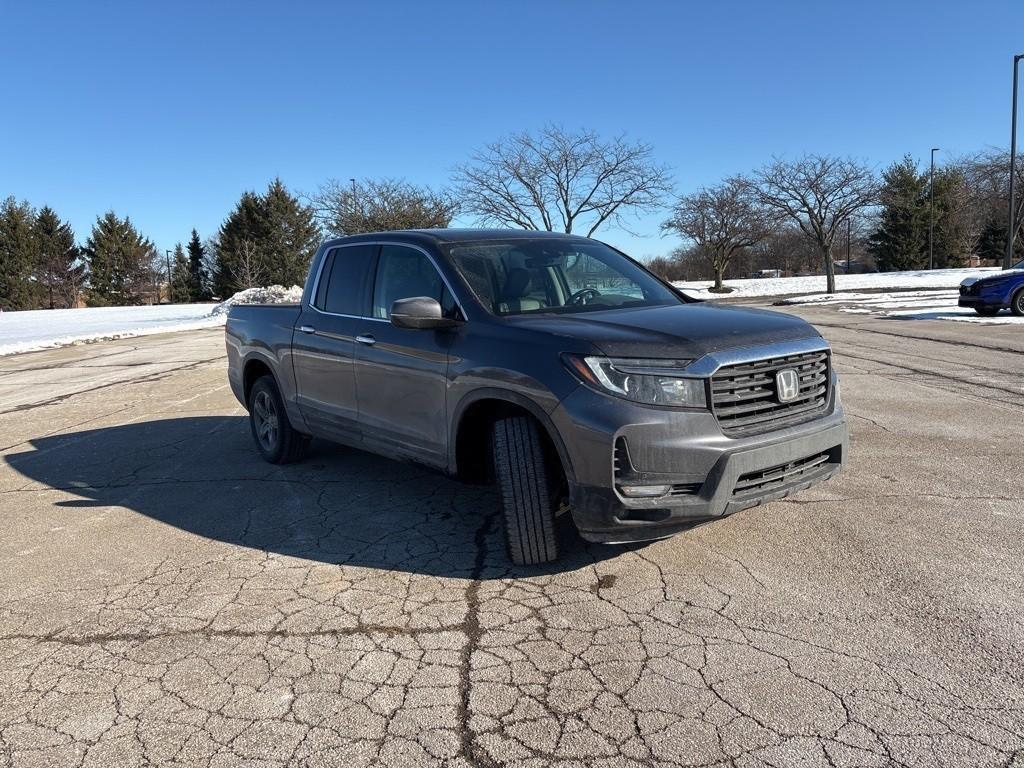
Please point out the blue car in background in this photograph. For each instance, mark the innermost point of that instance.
(987, 295)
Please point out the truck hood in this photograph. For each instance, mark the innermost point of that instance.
(684, 331)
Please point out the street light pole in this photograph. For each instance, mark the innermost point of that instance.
(847, 245)
(1012, 232)
(167, 259)
(931, 210)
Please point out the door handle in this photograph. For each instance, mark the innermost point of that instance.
(307, 329)
(367, 340)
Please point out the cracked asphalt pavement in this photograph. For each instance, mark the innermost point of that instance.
(166, 598)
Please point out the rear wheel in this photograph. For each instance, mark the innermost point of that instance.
(277, 441)
(1017, 302)
(529, 496)
(987, 311)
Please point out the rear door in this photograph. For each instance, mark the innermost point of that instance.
(323, 346)
(401, 374)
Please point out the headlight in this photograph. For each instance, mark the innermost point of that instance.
(655, 382)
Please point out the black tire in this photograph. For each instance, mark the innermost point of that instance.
(1017, 302)
(276, 440)
(987, 311)
(527, 493)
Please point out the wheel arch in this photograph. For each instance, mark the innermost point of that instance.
(468, 443)
(1015, 294)
(255, 367)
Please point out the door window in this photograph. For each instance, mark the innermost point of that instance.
(403, 273)
(342, 282)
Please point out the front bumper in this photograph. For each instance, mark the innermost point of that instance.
(973, 302)
(712, 475)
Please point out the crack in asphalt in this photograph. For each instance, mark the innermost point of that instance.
(154, 377)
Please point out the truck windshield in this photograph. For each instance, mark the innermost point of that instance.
(545, 275)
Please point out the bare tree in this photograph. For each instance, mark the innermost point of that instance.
(378, 205)
(670, 267)
(557, 180)
(819, 193)
(987, 177)
(248, 271)
(721, 221)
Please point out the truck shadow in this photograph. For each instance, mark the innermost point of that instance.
(340, 506)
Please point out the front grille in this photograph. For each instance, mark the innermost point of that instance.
(745, 401)
(766, 480)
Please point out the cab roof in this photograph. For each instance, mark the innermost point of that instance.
(436, 236)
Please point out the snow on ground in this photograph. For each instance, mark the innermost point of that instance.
(786, 286)
(906, 305)
(44, 328)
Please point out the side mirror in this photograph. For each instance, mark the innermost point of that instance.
(420, 313)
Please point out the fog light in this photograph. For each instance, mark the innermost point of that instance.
(644, 491)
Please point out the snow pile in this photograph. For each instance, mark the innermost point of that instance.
(906, 305)
(788, 286)
(44, 328)
(272, 294)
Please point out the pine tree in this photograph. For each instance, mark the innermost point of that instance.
(120, 262)
(271, 235)
(197, 277)
(290, 235)
(952, 232)
(181, 282)
(991, 243)
(59, 271)
(901, 241)
(18, 256)
(243, 225)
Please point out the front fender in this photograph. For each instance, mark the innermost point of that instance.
(514, 398)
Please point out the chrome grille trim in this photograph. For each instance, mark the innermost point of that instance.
(744, 400)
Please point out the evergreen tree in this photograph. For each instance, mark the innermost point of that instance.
(242, 226)
(181, 277)
(991, 243)
(120, 262)
(18, 256)
(271, 235)
(197, 277)
(290, 233)
(951, 237)
(59, 272)
(901, 241)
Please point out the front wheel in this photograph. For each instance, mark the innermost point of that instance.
(1017, 303)
(529, 498)
(987, 311)
(277, 441)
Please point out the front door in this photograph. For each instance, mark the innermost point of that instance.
(401, 374)
(323, 345)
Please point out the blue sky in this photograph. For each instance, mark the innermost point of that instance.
(166, 112)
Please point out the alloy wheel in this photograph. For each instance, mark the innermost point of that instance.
(266, 421)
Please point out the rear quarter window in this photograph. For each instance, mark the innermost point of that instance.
(342, 287)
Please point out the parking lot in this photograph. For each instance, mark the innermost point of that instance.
(168, 598)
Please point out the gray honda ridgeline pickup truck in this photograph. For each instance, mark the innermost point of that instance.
(552, 364)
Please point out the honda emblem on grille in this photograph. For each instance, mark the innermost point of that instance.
(787, 385)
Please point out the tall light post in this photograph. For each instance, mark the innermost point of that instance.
(931, 210)
(848, 245)
(1012, 232)
(167, 260)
